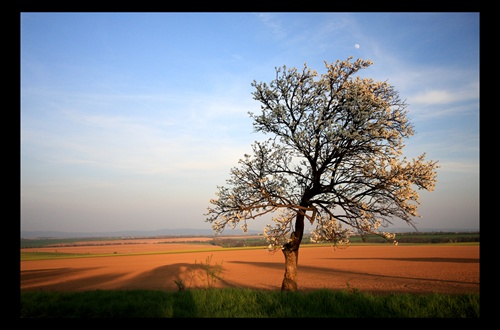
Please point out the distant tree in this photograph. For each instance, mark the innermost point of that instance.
(334, 159)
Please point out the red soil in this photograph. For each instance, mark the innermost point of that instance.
(377, 268)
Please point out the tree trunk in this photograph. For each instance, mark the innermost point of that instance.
(291, 252)
(290, 278)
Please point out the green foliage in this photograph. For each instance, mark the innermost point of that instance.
(239, 242)
(422, 237)
(245, 303)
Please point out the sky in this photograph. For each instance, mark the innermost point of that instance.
(130, 121)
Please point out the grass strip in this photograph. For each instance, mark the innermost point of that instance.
(245, 303)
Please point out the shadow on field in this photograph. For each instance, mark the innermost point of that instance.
(57, 279)
(369, 277)
(169, 277)
(33, 275)
(183, 276)
(455, 260)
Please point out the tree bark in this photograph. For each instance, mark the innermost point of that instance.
(290, 277)
(291, 253)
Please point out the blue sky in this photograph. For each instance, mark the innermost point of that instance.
(130, 121)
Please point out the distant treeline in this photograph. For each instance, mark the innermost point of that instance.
(416, 238)
(93, 241)
(428, 237)
(259, 240)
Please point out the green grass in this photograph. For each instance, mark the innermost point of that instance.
(26, 256)
(244, 303)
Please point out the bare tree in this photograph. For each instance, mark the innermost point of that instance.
(334, 158)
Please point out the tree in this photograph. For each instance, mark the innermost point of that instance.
(335, 159)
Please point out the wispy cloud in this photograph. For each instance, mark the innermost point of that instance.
(272, 22)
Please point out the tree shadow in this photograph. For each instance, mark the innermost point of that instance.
(369, 276)
(35, 279)
(169, 277)
(430, 259)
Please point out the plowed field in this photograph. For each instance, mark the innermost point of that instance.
(372, 268)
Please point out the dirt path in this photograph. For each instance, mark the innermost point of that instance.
(378, 269)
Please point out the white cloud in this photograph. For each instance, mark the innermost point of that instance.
(440, 96)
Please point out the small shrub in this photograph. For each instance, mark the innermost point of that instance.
(211, 273)
(208, 274)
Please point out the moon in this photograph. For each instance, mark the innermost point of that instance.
(356, 46)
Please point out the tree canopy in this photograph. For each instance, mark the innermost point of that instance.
(334, 157)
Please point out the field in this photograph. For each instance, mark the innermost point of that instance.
(164, 264)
